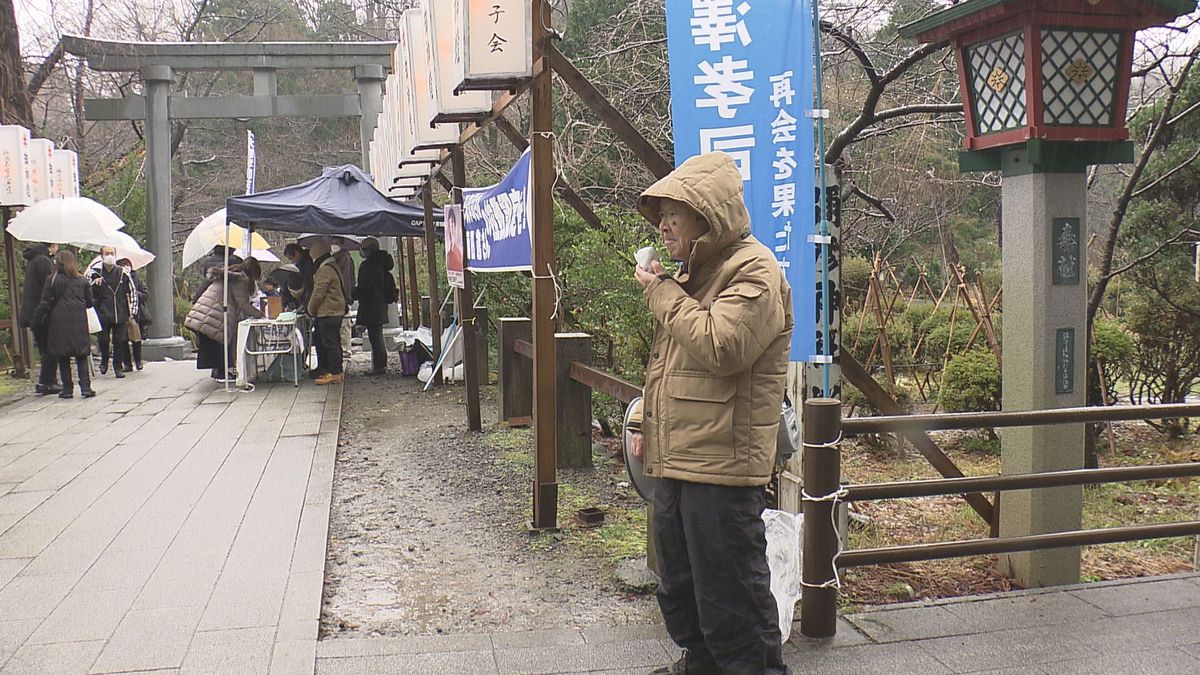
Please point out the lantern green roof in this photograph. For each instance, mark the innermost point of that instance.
(974, 13)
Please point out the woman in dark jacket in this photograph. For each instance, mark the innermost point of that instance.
(38, 268)
(375, 291)
(210, 316)
(65, 301)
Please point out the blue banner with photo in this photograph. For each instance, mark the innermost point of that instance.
(499, 222)
(742, 83)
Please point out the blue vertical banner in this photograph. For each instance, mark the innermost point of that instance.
(742, 83)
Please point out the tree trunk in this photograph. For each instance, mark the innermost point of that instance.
(14, 101)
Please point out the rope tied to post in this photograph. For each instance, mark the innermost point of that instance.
(833, 498)
(558, 291)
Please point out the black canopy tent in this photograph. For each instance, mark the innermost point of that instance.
(340, 201)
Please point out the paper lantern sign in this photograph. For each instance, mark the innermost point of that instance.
(15, 189)
(40, 151)
(416, 83)
(466, 106)
(64, 173)
(494, 41)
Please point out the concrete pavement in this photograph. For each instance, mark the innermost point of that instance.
(169, 526)
(165, 525)
(1142, 625)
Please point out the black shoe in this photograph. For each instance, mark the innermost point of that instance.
(66, 394)
(120, 373)
(46, 390)
(87, 393)
(688, 664)
(138, 365)
(104, 367)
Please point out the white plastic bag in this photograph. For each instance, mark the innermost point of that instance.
(783, 557)
(93, 321)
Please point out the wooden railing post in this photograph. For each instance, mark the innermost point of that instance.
(482, 332)
(516, 371)
(574, 401)
(822, 480)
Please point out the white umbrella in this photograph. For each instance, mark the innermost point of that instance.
(63, 220)
(349, 241)
(125, 246)
(212, 231)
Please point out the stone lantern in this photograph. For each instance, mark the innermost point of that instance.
(1045, 87)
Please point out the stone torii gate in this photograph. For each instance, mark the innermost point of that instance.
(157, 63)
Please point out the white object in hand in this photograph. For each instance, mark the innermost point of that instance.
(645, 256)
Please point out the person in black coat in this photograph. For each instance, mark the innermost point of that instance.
(376, 290)
(116, 301)
(66, 297)
(38, 268)
(300, 257)
(141, 317)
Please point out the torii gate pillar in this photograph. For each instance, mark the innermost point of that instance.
(370, 80)
(161, 343)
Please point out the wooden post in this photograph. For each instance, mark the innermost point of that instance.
(435, 296)
(425, 310)
(545, 487)
(413, 292)
(516, 371)
(822, 478)
(400, 283)
(574, 402)
(482, 331)
(20, 344)
(466, 303)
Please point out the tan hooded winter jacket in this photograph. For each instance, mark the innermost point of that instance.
(718, 364)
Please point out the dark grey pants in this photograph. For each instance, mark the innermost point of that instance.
(715, 585)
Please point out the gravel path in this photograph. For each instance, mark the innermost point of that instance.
(427, 530)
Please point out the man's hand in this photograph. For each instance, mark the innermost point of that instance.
(637, 446)
(646, 278)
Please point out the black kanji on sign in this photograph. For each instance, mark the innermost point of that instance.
(497, 43)
(495, 13)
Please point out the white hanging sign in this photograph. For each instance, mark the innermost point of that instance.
(417, 86)
(466, 106)
(14, 166)
(64, 172)
(495, 39)
(40, 180)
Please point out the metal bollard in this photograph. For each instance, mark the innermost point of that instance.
(822, 479)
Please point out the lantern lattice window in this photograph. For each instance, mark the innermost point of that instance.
(997, 72)
(1079, 76)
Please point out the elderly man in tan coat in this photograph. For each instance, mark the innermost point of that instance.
(327, 306)
(714, 386)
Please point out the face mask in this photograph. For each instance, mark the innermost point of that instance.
(109, 260)
(335, 248)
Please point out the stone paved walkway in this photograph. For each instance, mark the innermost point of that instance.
(169, 526)
(165, 525)
(1139, 626)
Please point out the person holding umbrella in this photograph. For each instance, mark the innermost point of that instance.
(38, 268)
(66, 297)
(116, 301)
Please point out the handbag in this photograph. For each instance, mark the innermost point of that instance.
(134, 330)
(93, 321)
(789, 439)
(40, 320)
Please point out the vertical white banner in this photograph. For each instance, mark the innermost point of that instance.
(251, 162)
